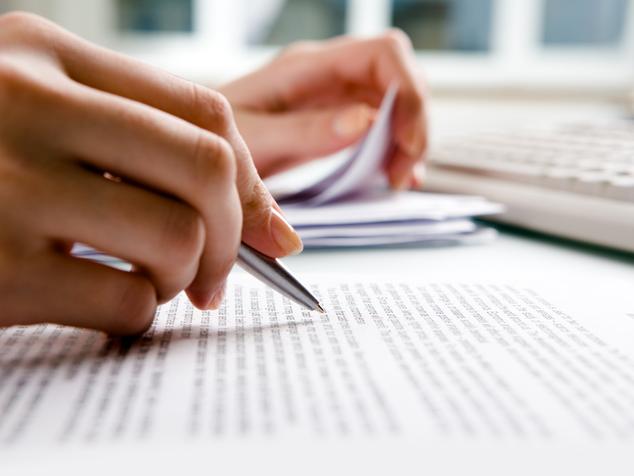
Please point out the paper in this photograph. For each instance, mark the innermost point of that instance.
(389, 207)
(355, 196)
(423, 362)
(396, 228)
(384, 218)
(325, 239)
(362, 168)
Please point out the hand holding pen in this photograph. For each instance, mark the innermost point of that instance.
(180, 195)
(100, 149)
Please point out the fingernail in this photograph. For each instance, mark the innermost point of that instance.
(284, 234)
(353, 121)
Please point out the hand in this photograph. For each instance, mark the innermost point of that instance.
(316, 98)
(184, 193)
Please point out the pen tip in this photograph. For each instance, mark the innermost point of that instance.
(320, 309)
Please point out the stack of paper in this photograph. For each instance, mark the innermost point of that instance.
(353, 206)
(386, 218)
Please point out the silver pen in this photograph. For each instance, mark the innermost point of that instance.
(274, 274)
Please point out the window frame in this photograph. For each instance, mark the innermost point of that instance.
(217, 50)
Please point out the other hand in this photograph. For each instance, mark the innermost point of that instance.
(316, 98)
(100, 149)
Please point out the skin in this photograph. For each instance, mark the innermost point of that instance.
(100, 149)
(316, 98)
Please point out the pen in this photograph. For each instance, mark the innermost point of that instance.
(274, 274)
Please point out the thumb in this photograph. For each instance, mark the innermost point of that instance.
(310, 133)
(290, 137)
(263, 227)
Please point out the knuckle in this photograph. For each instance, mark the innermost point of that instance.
(22, 92)
(27, 28)
(20, 19)
(220, 105)
(13, 84)
(297, 49)
(135, 307)
(214, 162)
(213, 110)
(397, 40)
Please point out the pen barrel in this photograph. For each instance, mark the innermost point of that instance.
(275, 275)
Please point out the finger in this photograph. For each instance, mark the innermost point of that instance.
(405, 173)
(218, 296)
(123, 76)
(340, 67)
(304, 134)
(419, 175)
(410, 133)
(75, 292)
(161, 236)
(167, 154)
(390, 58)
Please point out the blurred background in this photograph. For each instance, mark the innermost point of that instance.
(491, 66)
(562, 46)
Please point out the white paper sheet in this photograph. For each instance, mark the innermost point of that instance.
(384, 206)
(355, 194)
(477, 235)
(361, 169)
(435, 364)
(422, 228)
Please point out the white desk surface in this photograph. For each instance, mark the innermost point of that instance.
(531, 257)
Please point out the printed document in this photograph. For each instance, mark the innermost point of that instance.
(434, 363)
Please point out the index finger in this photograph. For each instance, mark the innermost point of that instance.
(118, 74)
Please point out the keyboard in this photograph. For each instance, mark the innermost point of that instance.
(574, 181)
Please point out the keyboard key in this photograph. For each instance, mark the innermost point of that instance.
(582, 159)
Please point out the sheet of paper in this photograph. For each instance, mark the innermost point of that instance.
(421, 228)
(424, 363)
(355, 195)
(383, 206)
(362, 169)
(477, 235)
